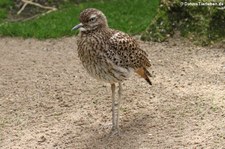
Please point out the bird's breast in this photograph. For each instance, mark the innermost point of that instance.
(93, 55)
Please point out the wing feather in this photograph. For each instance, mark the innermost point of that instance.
(128, 51)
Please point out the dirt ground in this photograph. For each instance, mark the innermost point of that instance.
(48, 101)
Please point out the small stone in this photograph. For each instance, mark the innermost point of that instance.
(42, 139)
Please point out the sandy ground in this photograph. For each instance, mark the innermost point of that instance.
(48, 101)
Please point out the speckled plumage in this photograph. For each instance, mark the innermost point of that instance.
(107, 54)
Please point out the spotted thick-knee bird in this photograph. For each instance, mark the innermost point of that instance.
(109, 55)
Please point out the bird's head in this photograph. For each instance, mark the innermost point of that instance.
(91, 19)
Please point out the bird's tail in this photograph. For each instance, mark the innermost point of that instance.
(144, 73)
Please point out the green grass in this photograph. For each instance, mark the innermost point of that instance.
(4, 6)
(131, 16)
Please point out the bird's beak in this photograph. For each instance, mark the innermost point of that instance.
(77, 26)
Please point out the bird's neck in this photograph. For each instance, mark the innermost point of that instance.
(97, 30)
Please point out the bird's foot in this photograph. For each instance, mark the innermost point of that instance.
(115, 131)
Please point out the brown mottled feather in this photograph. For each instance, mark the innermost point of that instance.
(108, 54)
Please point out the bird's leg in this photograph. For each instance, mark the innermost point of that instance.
(115, 109)
(118, 105)
(113, 88)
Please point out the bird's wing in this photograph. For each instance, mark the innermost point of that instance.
(127, 50)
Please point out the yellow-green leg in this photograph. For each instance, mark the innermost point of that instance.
(115, 108)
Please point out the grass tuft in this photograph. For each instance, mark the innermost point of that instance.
(4, 7)
(131, 16)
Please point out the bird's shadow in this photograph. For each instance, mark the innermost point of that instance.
(130, 133)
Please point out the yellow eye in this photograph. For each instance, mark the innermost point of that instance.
(92, 19)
